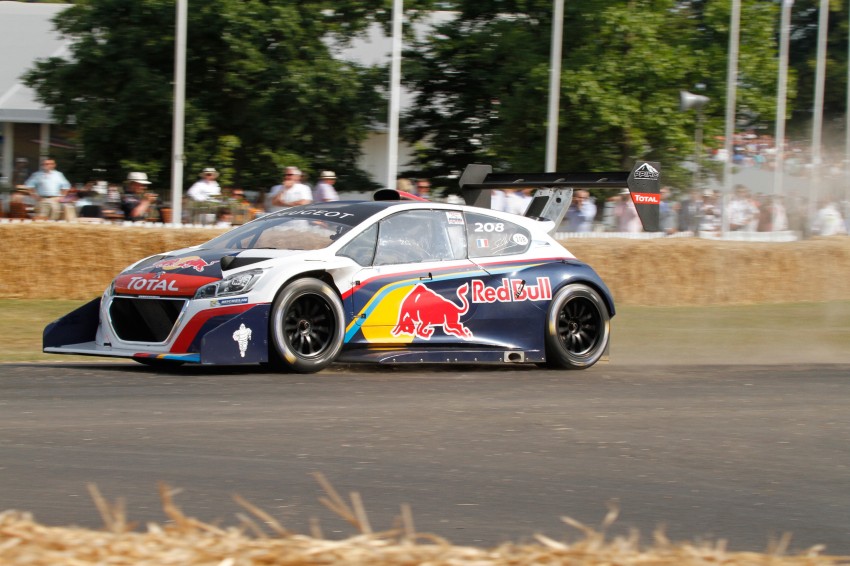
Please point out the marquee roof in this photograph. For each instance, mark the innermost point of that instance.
(26, 34)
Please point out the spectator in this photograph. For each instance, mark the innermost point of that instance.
(113, 208)
(291, 192)
(626, 214)
(423, 189)
(403, 185)
(581, 213)
(517, 201)
(324, 190)
(137, 203)
(779, 216)
(224, 218)
(668, 213)
(48, 186)
(828, 220)
(709, 214)
(88, 201)
(497, 199)
(689, 212)
(743, 213)
(206, 188)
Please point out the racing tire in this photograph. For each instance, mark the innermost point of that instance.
(307, 327)
(578, 327)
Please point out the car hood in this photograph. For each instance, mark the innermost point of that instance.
(176, 274)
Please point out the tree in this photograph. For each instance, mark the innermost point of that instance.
(803, 59)
(263, 88)
(481, 82)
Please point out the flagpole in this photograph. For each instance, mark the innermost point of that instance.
(554, 86)
(179, 113)
(395, 96)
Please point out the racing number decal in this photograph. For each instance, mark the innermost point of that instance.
(489, 227)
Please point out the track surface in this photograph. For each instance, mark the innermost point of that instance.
(483, 456)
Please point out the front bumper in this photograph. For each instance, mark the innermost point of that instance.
(200, 333)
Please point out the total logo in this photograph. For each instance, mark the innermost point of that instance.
(646, 198)
(142, 284)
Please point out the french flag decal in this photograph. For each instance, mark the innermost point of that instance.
(482, 243)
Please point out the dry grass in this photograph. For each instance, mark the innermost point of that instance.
(77, 261)
(262, 540)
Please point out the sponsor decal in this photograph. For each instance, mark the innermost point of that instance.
(141, 284)
(160, 283)
(646, 171)
(323, 213)
(512, 290)
(422, 310)
(225, 302)
(242, 336)
(646, 198)
(193, 262)
(454, 217)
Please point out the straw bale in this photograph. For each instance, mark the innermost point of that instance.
(701, 272)
(188, 542)
(56, 260)
(77, 261)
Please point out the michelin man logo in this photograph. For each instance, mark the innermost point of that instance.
(242, 336)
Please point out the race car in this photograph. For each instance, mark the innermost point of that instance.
(393, 280)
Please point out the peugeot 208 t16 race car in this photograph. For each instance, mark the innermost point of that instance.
(393, 280)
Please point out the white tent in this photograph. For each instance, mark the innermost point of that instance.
(26, 34)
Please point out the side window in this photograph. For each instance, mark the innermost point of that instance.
(420, 235)
(490, 236)
(362, 248)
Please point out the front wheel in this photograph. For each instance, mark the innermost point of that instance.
(578, 327)
(306, 327)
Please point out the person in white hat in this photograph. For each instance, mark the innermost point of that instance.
(291, 192)
(206, 187)
(136, 202)
(324, 190)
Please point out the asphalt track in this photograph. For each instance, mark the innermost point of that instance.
(744, 453)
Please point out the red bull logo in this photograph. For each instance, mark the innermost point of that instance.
(512, 290)
(193, 262)
(422, 310)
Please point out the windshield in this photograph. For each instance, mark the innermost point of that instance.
(281, 233)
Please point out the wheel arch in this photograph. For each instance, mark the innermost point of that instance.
(320, 274)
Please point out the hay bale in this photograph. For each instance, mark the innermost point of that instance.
(187, 541)
(78, 261)
(697, 272)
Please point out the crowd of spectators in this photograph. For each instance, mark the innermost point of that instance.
(48, 195)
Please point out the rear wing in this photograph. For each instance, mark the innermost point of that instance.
(553, 192)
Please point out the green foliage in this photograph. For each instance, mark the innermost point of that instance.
(262, 87)
(482, 82)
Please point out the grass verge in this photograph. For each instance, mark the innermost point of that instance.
(758, 334)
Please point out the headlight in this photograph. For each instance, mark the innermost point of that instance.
(233, 285)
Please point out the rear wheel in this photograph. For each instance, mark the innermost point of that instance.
(306, 327)
(578, 328)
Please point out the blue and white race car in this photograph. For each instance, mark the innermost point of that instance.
(391, 281)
